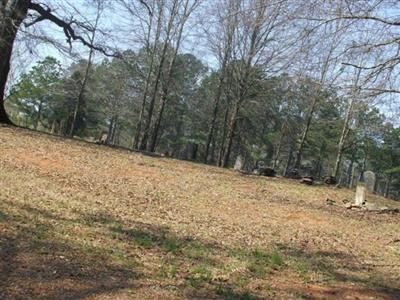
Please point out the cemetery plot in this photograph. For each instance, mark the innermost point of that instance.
(81, 220)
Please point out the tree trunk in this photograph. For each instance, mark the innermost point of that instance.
(225, 57)
(135, 144)
(278, 150)
(243, 83)
(213, 119)
(340, 152)
(85, 78)
(387, 186)
(345, 130)
(350, 172)
(318, 168)
(216, 106)
(146, 132)
(61, 128)
(193, 154)
(12, 13)
(81, 94)
(176, 147)
(290, 156)
(153, 141)
(223, 138)
(361, 175)
(241, 97)
(213, 146)
(114, 130)
(163, 100)
(305, 133)
(110, 130)
(231, 135)
(353, 176)
(152, 52)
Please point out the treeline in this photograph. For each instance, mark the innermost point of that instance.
(269, 128)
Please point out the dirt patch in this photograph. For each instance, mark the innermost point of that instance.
(43, 163)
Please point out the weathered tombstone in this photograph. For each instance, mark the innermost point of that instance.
(293, 174)
(360, 195)
(369, 179)
(103, 138)
(239, 163)
(331, 180)
(53, 127)
(308, 180)
(265, 171)
(262, 169)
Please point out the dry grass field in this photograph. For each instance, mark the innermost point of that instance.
(83, 221)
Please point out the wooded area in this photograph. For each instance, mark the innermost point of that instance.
(302, 86)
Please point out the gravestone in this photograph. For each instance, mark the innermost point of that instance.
(369, 179)
(360, 195)
(260, 164)
(308, 180)
(264, 171)
(239, 163)
(103, 138)
(331, 180)
(293, 174)
(269, 172)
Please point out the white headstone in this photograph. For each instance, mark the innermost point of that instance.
(360, 195)
(369, 179)
(239, 163)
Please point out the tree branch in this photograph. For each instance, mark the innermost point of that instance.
(147, 6)
(394, 60)
(371, 18)
(46, 14)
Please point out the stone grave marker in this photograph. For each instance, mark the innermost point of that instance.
(369, 179)
(239, 163)
(360, 195)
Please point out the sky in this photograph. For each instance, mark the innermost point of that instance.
(118, 25)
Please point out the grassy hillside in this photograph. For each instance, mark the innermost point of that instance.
(82, 221)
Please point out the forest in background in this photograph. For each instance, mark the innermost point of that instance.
(297, 85)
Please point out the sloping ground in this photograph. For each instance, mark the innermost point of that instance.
(82, 221)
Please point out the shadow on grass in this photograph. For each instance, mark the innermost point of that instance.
(195, 259)
(330, 268)
(3, 217)
(35, 264)
(339, 268)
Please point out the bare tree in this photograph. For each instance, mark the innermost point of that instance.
(222, 45)
(354, 94)
(82, 89)
(174, 10)
(188, 7)
(13, 13)
(151, 42)
(254, 44)
(322, 63)
(374, 32)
